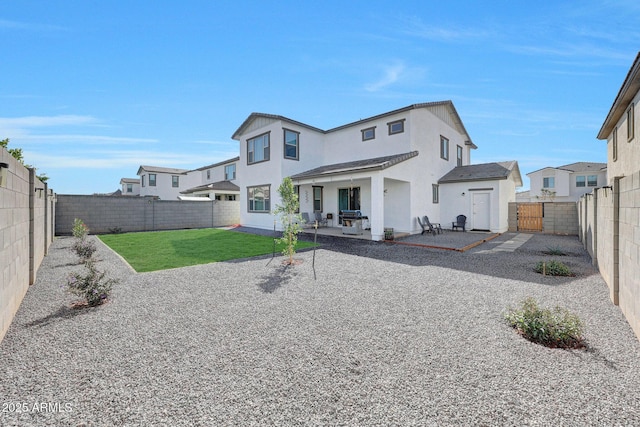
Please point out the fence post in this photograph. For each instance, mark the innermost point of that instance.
(32, 237)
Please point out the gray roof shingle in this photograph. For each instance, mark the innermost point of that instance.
(377, 163)
(482, 172)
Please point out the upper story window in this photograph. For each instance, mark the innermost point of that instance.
(435, 193)
(444, 148)
(548, 182)
(175, 181)
(258, 198)
(614, 143)
(129, 188)
(369, 133)
(630, 124)
(258, 149)
(459, 155)
(592, 180)
(208, 173)
(230, 172)
(142, 182)
(396, 127)
(152, 180)
(581, 181)
(291, 144)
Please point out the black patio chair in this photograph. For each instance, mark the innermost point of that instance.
(460, 222)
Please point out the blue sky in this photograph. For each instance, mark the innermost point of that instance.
(90, 90)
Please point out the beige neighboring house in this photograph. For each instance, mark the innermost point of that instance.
(564, 183)
(130, 187)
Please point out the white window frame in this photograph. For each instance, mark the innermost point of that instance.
(630, 123)
(154, 181)
(175, 181)
(549, 180)
(581, 181)
(592, 182)
(444, 148)
(288, 143)
(230, 170)
(266, 199)
(264, 140)
(435, 193)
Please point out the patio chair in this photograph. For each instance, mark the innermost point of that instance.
(460, 222)
(426, 227)
(432, 225)
(321, 221)
(306, 222)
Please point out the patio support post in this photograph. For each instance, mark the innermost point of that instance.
(376, 218)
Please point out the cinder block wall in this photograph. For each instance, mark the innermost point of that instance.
(629, 250)
(25, 235)
(105, 214)
(560, 218)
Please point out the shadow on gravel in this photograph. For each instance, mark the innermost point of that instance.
(63, 312)
(279, 277)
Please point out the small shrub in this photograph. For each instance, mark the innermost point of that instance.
(553, 268)
(80, 229)
(557, 328)
(92, 286)
(556, 250)
(84, 249)
(115, 230)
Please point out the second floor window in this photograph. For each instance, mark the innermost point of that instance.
(435, 193)
(175, 181)
(396, 127)
(444, 148)
(230, 172)
(548, 182)
(129, 188)
(630, 124)
(581, 181)
(152, 180)
(143, 176)
(258, 149)
(208, 173)
(369, 133)
(459, 155)
(592, 180)
(291, 143)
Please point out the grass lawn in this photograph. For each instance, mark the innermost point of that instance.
(159, 250)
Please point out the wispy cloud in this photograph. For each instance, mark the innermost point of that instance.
(28, 26)
(391, 75)
(43, 121)
(414, 26)
(89, 139)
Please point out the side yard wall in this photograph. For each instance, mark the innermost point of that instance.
(26, 231)
(559, 218)
(610, 231)
(105, 214)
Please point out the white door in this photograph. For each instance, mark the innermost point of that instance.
(481, 211)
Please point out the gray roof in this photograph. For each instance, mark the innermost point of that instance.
(377, 163)
(577, 167)
(220, 186)
(628, 91)
(235, 159)
(159, 169)
(130, 181)
(483, 172)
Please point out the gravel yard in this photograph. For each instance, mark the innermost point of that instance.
(387, 334)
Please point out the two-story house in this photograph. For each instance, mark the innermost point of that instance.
(566, 183)
(217, 182)
(164, 183)
(130, 186)
(387, 166)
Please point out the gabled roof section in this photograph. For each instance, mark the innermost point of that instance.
(576, 167)
(260, 119)
(484, 172)
(235, 159)
(158, 169)
(219, 186)
(628, 90)
(377, 163)
(130, 181)
(257, 120)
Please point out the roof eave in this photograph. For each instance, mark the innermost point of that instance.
(627, 91)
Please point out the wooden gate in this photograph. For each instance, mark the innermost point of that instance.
(530, 216)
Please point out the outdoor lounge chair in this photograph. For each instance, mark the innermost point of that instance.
(460, 222)
(321, 221)
(426, 226)
(306, 222)
(432, 225)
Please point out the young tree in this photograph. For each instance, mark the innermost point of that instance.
(289, 218)
(19, 156)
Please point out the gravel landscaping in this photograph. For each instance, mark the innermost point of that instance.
(386, 334)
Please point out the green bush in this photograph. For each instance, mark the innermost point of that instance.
(92, 286)
(84, 249)
(553, 268)
(555, 250)
(80, 229)
(556, 328)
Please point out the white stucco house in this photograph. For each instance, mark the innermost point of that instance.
(566, 183)
(388, 166)
(130, 186)
(217, 182)
(164, 183)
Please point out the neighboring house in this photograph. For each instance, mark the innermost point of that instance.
(482, 192)
(130, 187)
(387, 166)
(566, 183)
(523, 196)
(164, 183)
(215, 182)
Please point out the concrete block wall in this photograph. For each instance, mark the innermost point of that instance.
(104, 214)
(25, 235)
(513, 217)
(560, 218)
(629, 250)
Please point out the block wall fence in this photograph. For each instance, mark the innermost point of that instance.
(27, 221)
(558, 218)
(610, 232)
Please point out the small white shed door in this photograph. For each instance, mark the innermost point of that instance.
(481, 211)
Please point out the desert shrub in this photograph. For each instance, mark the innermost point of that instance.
(555, 250)
(92, 285)
(84, 249)
(553, 268)
(80, 229)
(115, 230)
(556, 328)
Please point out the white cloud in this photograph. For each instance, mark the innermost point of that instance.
(16, 25)
(391, 75)
(43, 121)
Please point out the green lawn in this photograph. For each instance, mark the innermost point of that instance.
(159, 250)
